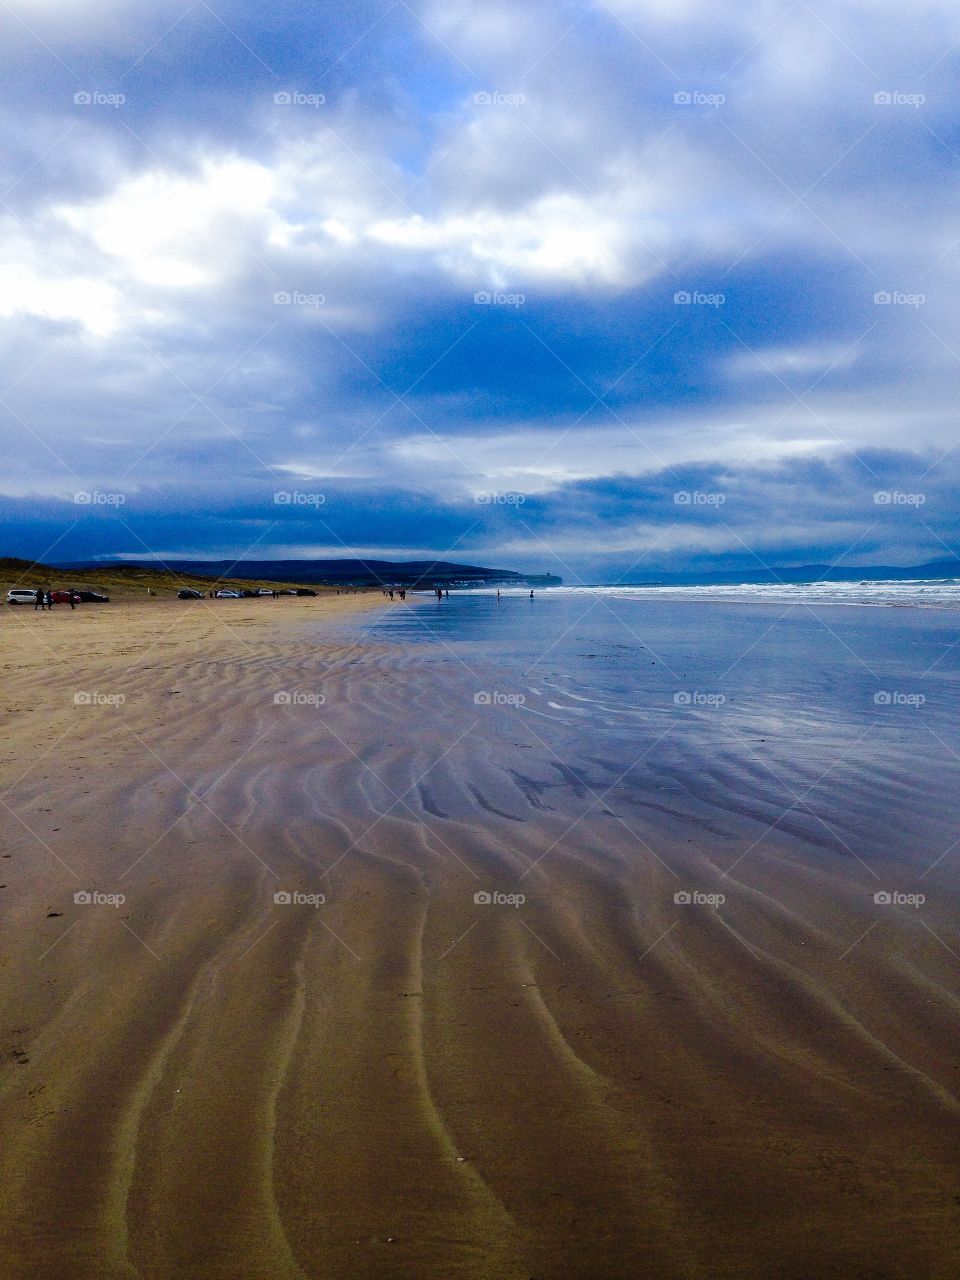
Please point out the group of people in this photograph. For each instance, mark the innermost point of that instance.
(439, 592)
(44, 599)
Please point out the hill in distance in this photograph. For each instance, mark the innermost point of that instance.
(775, 574)
(369, 573)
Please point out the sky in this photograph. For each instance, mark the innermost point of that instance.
(595, 289)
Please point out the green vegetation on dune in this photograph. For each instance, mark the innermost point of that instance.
(122, 581)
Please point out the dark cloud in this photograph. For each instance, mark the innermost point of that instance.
(591, 255)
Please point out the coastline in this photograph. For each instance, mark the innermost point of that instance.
(397, 1081)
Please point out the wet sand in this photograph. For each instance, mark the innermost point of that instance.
(204, 1081)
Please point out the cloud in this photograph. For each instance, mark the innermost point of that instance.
(574, 251)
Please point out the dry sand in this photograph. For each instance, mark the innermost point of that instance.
(202, 1082)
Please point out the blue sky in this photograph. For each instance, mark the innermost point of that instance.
(591, 288)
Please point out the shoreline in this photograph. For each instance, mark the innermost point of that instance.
(202, 1080)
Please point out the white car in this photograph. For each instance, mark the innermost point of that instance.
(264, 591)
(20, 595)
(228, 595)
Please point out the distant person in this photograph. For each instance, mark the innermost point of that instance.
(447, 593)
(73, 599)
(49, 598)
(498, 593)
(531, 595)
(40, 604)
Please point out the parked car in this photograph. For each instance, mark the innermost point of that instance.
(226, 594)
(91, 597)
(20, 595)
(64, 597)
(305, 591)
(264, 591)
(248, 593)
(188, 593)
(286, 591)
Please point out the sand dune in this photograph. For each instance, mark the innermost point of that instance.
(206, 1082)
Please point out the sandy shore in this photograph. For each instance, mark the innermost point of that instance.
(205, 1081)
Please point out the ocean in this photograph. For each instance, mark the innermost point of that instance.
(825, 716)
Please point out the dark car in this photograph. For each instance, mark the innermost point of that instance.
(91, 597)
(188, 593)
(248, 594)
(305, 591)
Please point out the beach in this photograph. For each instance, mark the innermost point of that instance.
(331, 953)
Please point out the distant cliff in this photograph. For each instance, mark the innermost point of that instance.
(407, 573)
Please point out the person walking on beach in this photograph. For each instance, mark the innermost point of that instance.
(40, 602)
(531, 595)
(73, 599)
